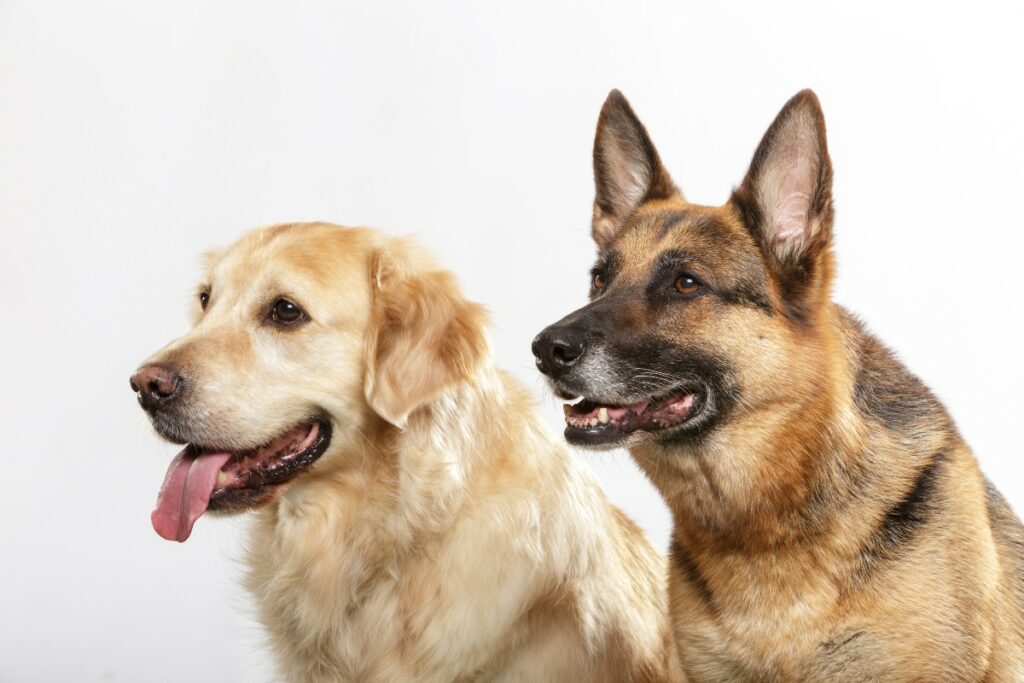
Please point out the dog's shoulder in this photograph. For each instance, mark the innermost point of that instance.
(1009, 533)
(1009, 536)
(885, 391)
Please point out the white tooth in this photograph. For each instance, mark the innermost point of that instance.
(592, 422)
(602, 416)
(222, 478)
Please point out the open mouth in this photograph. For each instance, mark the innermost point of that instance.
(200, 479)
(592, 423)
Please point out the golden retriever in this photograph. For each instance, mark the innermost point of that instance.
(413, 519)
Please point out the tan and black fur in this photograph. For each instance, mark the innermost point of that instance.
(830, 523)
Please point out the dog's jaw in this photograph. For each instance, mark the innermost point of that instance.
(198, 479)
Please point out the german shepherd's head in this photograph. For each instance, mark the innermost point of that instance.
(697, 312)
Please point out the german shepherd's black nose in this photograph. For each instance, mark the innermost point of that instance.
(156, 386)
(557, 349)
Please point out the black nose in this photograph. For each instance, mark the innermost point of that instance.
(557, 349)
(156, 386)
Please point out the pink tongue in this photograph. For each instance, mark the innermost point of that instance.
(186, 492)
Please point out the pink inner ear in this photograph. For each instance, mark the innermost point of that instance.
(630, 178)
(791, 213)
(791, 217)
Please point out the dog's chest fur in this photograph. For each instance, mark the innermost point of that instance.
(455, 561)
(380, 595)
(773, 642)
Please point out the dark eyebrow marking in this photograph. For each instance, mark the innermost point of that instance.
(665, 266)
(671, 220)
(696, 221)
(608, 263)
(748, 295)
(744, 294)
(671, 258)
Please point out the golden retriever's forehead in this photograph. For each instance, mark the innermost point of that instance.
(318, 254)
(210, 259)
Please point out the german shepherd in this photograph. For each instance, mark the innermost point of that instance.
(831, 524)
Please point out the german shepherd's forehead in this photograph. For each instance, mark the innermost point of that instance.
(710, 243)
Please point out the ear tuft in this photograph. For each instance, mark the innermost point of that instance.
(424, 336)
(627, 169)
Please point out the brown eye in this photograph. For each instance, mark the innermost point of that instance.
(599, 281)
(285, 312)
(687, 285)
(204, 299)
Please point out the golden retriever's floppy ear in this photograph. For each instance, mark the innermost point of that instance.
(424, 336)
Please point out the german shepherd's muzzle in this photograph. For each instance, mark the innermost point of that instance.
(634, 384)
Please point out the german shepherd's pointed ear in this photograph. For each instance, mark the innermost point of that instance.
(627, 170)
(424, 335)
(786, 199)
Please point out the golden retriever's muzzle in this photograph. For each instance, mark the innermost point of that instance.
(207, 477)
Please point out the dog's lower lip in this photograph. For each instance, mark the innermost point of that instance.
(247, 473)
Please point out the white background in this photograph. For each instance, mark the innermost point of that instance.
(134, 135)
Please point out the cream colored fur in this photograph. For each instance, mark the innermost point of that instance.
(444, 535)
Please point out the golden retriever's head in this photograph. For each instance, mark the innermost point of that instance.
(303, 333)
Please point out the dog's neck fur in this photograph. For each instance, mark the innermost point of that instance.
(736, 486)
(383, 501)
(806, 454)
(779, 490)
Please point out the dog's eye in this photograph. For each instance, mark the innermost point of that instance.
(286, 313)
(204, 299)
(687, 285)
(599, 281)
